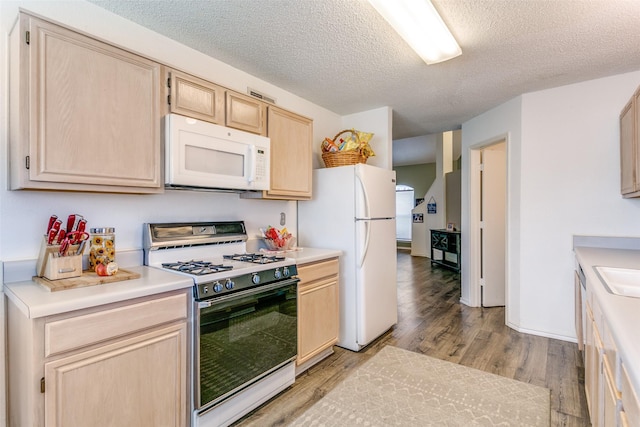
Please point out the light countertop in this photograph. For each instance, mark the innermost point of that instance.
(307, 255)
(35, 300)
(622, 313)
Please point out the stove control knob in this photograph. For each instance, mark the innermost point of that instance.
(255, 278)
(217, 287)
(277, 273)
(229, 284)
(286, 272)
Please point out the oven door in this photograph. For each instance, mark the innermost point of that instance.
(241, 338)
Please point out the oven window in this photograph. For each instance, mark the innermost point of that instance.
(244, 338)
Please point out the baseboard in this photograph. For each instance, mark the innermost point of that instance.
(542, 333)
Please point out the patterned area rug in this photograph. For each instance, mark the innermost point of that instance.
(397, 387)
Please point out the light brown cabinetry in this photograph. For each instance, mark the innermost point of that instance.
(611, 398)
(630, 147)
(630, 411)
(194, 97)
(84, 115)
(120, 364)
(291, 135)
(245, 113)
(291, 155)
(592, 368)
(318, 310)
(578, 310)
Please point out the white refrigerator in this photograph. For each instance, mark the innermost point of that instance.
(353, 209)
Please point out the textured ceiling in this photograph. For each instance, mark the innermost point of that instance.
(342, 55)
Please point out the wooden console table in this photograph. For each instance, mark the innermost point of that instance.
(445, 249)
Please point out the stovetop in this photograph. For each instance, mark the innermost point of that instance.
(255, 258)
(197, 268)
(214, 255)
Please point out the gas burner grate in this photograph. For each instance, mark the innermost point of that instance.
(255, 258)
(197, 268)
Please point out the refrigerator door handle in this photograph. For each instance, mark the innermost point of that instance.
(365, 248)
(365, 196)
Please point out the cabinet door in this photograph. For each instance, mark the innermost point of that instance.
(318, 308)
(578, 310)
(245, 113)
(291, 154)
(88, 115)
(134, 382)
(592, 369)
(317, 318)
(610, 402)
(628, 149)
(194, 97)
(630, 398)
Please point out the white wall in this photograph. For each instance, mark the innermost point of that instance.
(563, 179)
(378, 122)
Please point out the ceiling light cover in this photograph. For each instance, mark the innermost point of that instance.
(420, 25)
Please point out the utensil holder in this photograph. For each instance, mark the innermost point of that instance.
(53, 266)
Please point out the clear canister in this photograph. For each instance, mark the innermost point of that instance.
(103, 246)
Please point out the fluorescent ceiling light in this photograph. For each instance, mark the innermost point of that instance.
(420, 25)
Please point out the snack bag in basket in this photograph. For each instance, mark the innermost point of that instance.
(365, 148)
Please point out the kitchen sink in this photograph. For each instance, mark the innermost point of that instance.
(620, 281)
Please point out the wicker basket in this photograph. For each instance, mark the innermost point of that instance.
(342, 158)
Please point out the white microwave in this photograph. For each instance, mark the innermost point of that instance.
(199, 154)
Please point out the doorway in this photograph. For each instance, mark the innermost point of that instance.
(404, 204)
(489, 222)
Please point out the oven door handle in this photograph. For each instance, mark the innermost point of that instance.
(252, 291)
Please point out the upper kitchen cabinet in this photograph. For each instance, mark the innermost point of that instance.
(291, 137)
(630, 147)
(245, 113)
(84, 115)
(194, 97)
(291, 155)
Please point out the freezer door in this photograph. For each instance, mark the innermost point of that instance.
(375, 192)
(376, 289)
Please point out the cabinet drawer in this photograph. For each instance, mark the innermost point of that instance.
(317, 270)
(630, 402)
(75, 332)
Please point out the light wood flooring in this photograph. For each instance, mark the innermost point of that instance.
(431, 320)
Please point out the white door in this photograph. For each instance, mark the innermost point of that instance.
(493, 225)
(375, 192)
(376, 289)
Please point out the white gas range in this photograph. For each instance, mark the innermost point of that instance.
(244, 315)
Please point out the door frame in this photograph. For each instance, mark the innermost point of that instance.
(475, 292)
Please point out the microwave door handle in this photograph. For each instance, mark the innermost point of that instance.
(252, 163)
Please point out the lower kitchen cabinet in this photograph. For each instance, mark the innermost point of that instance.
(318, 310)
(120, 364)
(630, 410)
(592, 365)
(611, 402)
